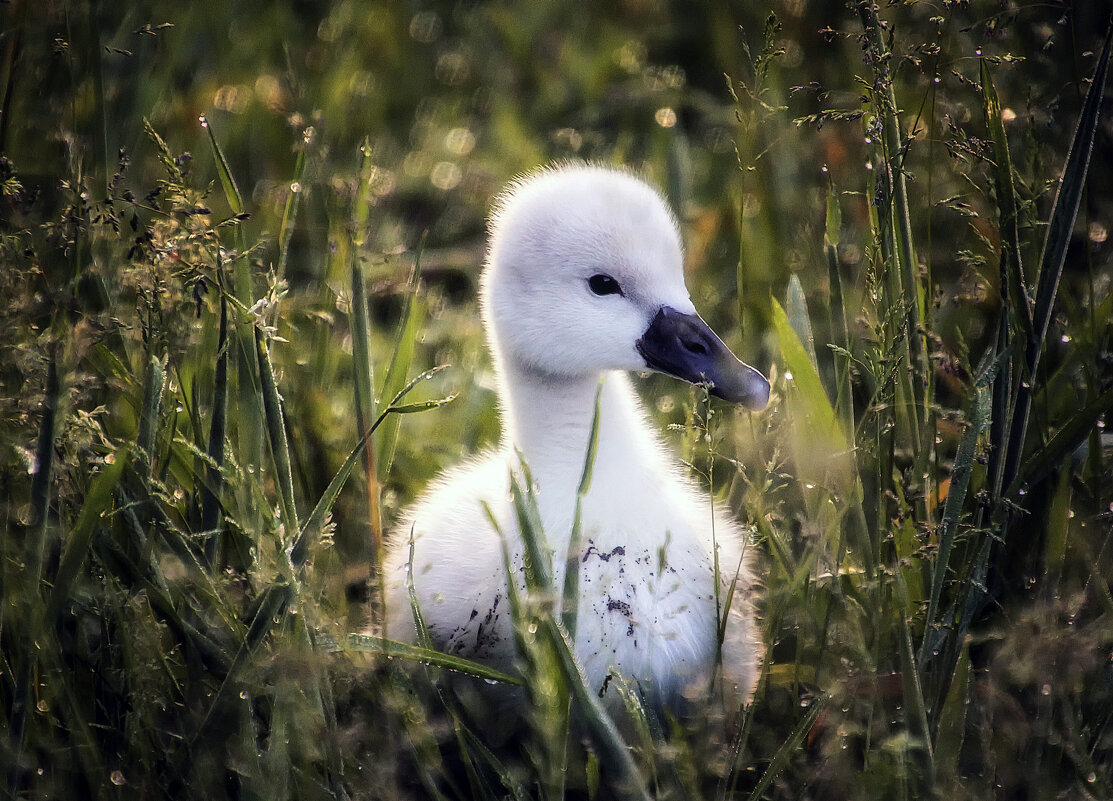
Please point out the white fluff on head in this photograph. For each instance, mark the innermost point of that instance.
(648, 606)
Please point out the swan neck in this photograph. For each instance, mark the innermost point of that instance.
(548, 418)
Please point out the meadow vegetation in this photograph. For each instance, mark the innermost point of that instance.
(239, 247)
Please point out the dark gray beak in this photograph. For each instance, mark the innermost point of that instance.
(684, 346)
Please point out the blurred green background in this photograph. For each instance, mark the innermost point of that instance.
(377, 134)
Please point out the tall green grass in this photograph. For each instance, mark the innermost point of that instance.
(194, 371)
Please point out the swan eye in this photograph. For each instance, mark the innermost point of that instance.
(602, 284)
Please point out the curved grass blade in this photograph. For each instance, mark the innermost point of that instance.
(223, 171)
(367, 643)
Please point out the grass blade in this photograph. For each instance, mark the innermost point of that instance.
(41, 482)
(290, 210)
(796, 307)
(789, 746)
(895, 220)
(154, 385)
(363, 387)
(571, 595)
(1012, 270)
(276, 433)
(366, 643)
(844, 398)
(956, 497)
(97, 502)
(1063, 215)
(400, 362)
(223, 171)
(214, 479)
(316, 519)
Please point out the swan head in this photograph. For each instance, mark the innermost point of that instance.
(585, 273)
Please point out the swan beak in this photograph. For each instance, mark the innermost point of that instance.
(684, 346)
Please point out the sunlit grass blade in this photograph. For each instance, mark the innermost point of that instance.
(806, 382)
(796, 308)
(822, 453)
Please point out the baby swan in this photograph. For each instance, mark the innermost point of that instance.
(584, 276)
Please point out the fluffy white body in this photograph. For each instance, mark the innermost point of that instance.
(584, 278)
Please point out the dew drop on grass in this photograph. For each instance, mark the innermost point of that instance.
(243, 695)
(42, 706)
(117, 778)
(1092, 777)
(295, 187)
(201, 118)
(1045, 689)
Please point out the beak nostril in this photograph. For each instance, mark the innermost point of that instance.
(696, 347)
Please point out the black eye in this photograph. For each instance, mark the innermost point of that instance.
(602, 284)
